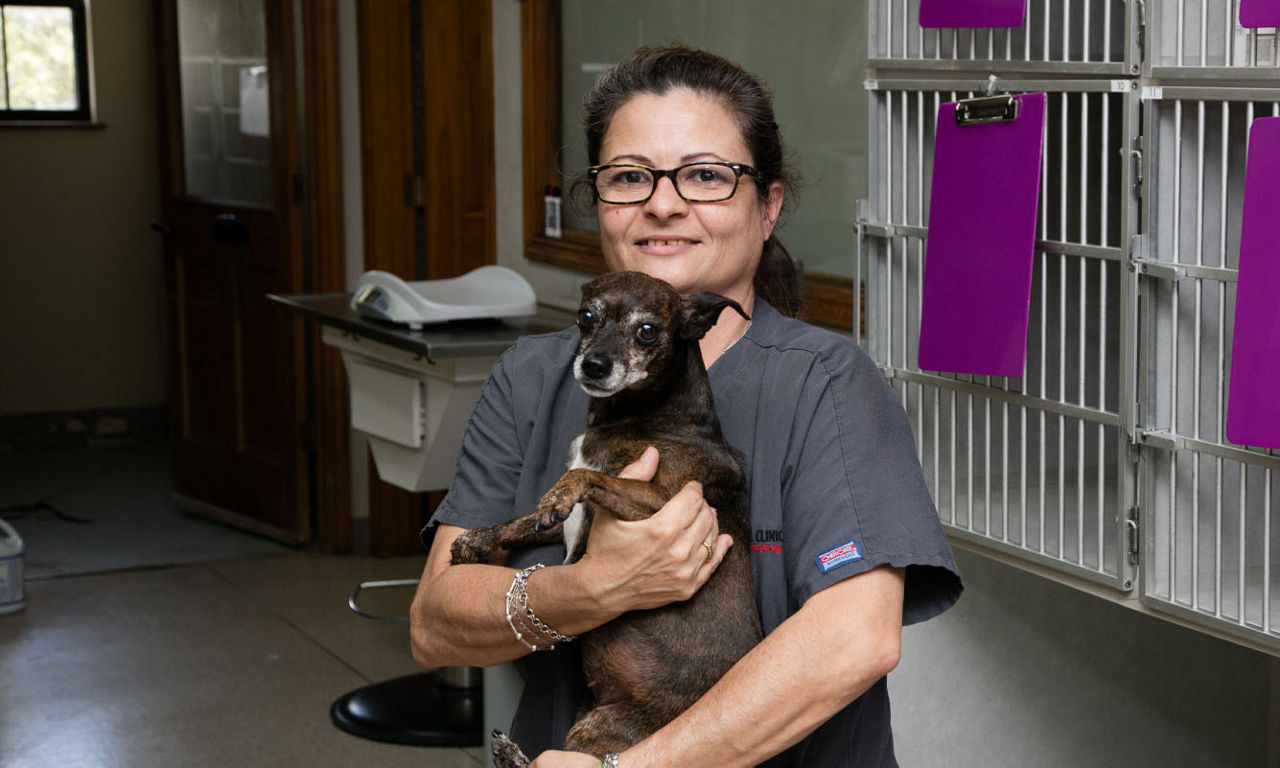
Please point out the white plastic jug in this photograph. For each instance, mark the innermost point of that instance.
(12, 598)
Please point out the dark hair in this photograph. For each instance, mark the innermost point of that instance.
(745, 96)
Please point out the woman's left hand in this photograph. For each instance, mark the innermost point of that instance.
(555, 759)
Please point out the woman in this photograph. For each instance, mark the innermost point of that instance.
(847, 545)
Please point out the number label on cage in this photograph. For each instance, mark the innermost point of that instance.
(980, 246)
(1253, 400)
(1259, 13)
(972, 13)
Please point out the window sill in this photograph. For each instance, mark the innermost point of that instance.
(828, 299)
(73, 124)
(579, 251)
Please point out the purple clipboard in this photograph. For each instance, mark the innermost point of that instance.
(1259, 13)
(1253, 399)
(972, 13)
(980, 246)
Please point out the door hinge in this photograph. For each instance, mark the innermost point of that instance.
(415, 191)
(299, 189)
(307, 436)
(1131, 532)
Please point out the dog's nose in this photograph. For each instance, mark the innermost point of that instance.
(596, 366)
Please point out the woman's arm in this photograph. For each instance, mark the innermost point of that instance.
(779, 692)
(458, 615)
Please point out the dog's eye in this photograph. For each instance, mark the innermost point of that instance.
(586, 319)
(647, 333)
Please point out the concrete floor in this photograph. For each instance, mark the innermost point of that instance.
(229, 654)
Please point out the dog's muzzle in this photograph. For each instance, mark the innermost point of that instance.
(596, 368)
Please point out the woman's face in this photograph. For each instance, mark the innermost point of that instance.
(694, 246)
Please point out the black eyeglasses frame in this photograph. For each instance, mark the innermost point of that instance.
(738, 170)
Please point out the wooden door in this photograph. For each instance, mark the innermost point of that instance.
(426, 87)
(231, 194)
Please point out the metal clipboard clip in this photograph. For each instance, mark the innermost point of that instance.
(987, 109)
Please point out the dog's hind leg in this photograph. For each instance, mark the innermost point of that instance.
(607, 728)
(506, 754)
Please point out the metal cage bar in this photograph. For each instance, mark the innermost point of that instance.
(1107, 458)
(1029, 464)
(1206, 35)
(1208, 558)
(1079, 35)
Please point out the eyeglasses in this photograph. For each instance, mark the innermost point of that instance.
(624, 184)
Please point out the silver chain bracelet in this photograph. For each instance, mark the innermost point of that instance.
(522, 619)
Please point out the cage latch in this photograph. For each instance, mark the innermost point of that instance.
(1131, 528)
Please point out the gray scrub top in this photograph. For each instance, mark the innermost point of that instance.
(835, 485)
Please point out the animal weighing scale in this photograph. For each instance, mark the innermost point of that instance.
(487, 292)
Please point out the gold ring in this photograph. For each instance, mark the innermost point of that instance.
(711, 551)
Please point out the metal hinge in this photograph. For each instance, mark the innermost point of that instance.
(1132, 531)
(415, 191)
(307, 436)
(299, 189)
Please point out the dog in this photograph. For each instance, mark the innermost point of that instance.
(638, 358)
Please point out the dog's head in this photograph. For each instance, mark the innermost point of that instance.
(633, 325)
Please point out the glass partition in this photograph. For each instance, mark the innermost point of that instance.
(812, 56)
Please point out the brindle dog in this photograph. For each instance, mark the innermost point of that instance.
(638, 359)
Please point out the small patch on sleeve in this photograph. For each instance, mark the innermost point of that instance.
(841, 555)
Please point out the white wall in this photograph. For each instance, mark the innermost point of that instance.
(1023, 671)
(80, 269)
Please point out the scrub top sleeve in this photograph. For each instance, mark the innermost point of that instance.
(858, 499)
(489, 463)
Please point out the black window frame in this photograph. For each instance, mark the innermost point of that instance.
(80, 31)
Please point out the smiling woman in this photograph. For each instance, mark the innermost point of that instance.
(44, 61)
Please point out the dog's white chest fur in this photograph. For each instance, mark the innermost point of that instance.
(573, 524)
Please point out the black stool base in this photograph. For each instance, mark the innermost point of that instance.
(415, 709)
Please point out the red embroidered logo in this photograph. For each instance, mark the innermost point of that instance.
(767, 540)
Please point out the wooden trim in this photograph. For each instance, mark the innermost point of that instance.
(540, 92)
(286, 162)
(828, 298)
(579, 251)
(237, 520)
(330, 399)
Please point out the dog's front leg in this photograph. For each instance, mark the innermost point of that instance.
(623, 498)
(477, 544)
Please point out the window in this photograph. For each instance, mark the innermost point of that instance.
(44, 61)
(566, 42)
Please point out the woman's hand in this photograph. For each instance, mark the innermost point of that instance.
(555, 759)
(663, 559)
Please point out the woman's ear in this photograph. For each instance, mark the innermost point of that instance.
(773, 207)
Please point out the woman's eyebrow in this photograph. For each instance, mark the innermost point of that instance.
(643, 160)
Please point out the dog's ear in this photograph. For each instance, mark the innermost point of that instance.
(699, 311)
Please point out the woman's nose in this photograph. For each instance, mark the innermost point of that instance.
(665, 200)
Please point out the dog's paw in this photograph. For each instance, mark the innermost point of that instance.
(505, 752)
(467, 549)
(553, 509)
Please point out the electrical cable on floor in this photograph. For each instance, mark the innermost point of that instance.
(46, 503)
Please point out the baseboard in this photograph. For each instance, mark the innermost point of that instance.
(84, 427)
